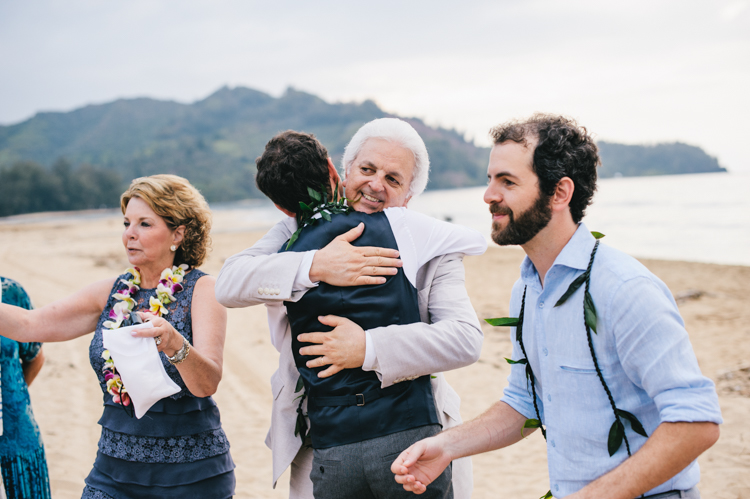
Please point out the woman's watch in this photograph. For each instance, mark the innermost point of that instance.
(180, 354)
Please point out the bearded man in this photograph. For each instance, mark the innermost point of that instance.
(601, 359)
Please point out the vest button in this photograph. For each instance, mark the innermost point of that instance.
(322, 470)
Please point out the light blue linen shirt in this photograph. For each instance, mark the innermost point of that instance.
(643, 351)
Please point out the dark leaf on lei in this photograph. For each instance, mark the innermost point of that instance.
(293, 238)
(326, 216)
(305, 209)
(503, 321)
(572, 288)
(314, 194)
(616, 435)
(519, 361)
(597, 235)
(529, 372)
(634, 423)
(548, 495)
(300, 385)
(532, 423)
(589, 311)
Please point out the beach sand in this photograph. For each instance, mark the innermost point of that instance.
(53, 256)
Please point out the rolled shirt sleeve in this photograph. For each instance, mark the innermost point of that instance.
(656, 354)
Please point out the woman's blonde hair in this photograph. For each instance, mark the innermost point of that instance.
(179, 203)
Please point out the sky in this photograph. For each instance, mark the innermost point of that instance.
(632, 72)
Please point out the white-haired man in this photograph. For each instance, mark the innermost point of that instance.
(385, 165)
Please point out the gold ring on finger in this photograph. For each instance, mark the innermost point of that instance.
(157, 339)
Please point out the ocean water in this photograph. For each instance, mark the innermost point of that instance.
(699, 217)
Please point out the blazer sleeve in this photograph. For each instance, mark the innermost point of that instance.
(260, 274)
(450, 336)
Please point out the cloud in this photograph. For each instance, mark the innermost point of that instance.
(732, 11)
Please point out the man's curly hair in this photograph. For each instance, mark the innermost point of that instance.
(292, 162)
(563, 149)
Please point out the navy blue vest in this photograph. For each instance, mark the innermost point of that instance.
(350, 406)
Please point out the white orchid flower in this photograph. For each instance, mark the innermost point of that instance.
(156, 307)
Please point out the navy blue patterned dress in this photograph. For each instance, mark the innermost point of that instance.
(22, 459)
(177, 449)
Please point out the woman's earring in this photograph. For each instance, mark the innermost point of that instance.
(173, 248)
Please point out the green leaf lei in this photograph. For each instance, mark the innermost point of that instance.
(319, 204)
(617, 430)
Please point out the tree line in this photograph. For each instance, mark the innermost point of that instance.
(27, 187)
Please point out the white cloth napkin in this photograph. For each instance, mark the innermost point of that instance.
(139, 365)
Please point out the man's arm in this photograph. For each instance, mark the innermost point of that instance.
(656, 354)
(451, 340)
(668, 451)
(261, 274)
(498, 427)
(244, 277)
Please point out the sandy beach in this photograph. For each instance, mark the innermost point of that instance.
(52, 257)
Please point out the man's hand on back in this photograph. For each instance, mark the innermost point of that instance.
(341, 348)
(341, 264)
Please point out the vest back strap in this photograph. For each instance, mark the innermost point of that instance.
(359, 399)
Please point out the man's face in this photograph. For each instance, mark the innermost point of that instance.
(380, 176)
(519, 210)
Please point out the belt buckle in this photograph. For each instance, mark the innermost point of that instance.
(358, 397)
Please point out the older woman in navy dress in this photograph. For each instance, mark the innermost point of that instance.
(22, 460)
(178, 448)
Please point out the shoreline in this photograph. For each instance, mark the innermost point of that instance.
(52, 259)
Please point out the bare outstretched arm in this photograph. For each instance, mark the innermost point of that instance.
(64, 319)
(499, 426)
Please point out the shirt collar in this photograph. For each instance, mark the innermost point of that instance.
(575, 254)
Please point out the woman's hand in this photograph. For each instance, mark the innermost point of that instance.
(167, 339)
(31, 368)
(201, 369)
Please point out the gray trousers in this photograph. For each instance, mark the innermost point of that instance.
(362, 470)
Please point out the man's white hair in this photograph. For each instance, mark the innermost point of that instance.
(399, 132)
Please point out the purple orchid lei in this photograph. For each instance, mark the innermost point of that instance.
(121, 315)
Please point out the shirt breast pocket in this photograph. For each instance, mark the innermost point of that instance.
(578, 370)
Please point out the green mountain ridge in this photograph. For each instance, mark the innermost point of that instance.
(214, 142)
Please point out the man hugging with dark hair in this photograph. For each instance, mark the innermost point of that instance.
(292, 162)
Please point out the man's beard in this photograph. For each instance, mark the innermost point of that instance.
(528, 224)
